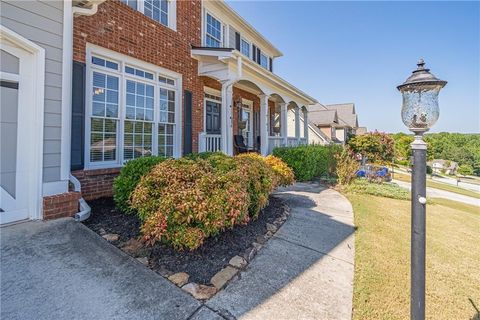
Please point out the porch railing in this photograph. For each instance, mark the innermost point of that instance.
(274, 142)
(209, 142)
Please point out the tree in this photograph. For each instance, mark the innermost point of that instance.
(403, 149)
(376, 146)
(465, 170)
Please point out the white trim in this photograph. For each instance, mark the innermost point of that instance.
(157, 71)
(222, 29)
(53, 188)
(213, 92)
(35, 130)
(67, 65)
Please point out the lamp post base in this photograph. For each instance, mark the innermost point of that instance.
(418, 235)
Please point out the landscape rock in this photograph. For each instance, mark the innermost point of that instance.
(238, 262)
(180, 278)
(261, 239)
(200, 291)
(143, 260)
(257, 246)
(271, 227)
(132, 246)
(249, 253)
(164, 272)
(268, 235)
(102, 232)
(111, 237)
(223, 276)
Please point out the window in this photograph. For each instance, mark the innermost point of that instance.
(131, 3)
(213, 32)
(132, 113)
(162, 11)
(245, 47)
(263, 60)
(157, 10)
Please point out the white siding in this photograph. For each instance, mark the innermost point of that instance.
(42, 23)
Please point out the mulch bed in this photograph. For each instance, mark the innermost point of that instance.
(201, 264)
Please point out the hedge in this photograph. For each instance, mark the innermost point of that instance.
(128, 179)
(309, 161)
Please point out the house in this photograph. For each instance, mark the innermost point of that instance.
(444, 166)
(96, 83)
(337, 121)
(361, 131)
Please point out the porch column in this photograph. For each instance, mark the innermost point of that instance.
(226, 119)
(263, 124)
(284, 122)
(297, 123)
(305, 123)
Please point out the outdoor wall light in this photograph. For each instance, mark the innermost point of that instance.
(419, 113)
(420, 99)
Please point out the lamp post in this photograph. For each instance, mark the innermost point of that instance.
(419, 113)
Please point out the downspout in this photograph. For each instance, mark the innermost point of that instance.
(85, 209)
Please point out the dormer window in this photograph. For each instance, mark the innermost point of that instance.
(213, 32)
(162, 11)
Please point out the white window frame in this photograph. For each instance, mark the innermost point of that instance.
(266, 57)
(249, 55)
(222, 29)
(171, 14)
(123, 60)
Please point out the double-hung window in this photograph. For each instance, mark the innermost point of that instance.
(264, 60)
(163, 11)
(132, 112)
(245, 47)
(213, 32)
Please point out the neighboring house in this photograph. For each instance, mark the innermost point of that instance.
(361, 131)
(96, 83)
(444, 166)
(337, 121)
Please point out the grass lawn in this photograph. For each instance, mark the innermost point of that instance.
(440, 186)
(382, 259)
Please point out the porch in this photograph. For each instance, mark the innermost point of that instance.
(247, 107)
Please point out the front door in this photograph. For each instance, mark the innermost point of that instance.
(15, 91)
(212, 117)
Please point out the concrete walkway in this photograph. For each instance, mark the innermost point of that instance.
(305, 271)
(436, 193)
(62, 270)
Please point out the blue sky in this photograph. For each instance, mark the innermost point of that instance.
(360, 51)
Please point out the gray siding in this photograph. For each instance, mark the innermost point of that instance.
(42, 22)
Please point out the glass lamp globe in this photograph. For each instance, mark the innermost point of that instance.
(420, 109)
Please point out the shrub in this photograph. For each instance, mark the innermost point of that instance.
(284, 173)
(347, 166)
(384, 189)
(130, 175)
(309, 161)
(183, 202)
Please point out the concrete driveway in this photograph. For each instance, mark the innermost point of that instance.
(62, 270)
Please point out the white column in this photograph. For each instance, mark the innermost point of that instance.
(305, 123)
(284, 122)
(226, 119)
(264, 124)
(297, 123)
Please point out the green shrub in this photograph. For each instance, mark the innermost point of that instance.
(383, 189)
(309, 161)
(130, 175)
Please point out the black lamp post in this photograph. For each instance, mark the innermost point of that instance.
(419, 113)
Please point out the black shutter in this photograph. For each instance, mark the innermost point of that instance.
(258, 55)
(78, 116)
(237, 41)
(271, 64)
(187, 114)
(254, 52)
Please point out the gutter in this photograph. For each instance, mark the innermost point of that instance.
(84, 11)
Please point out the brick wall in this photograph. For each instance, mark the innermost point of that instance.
(96, 183)
(60, 205)
(118, 27)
